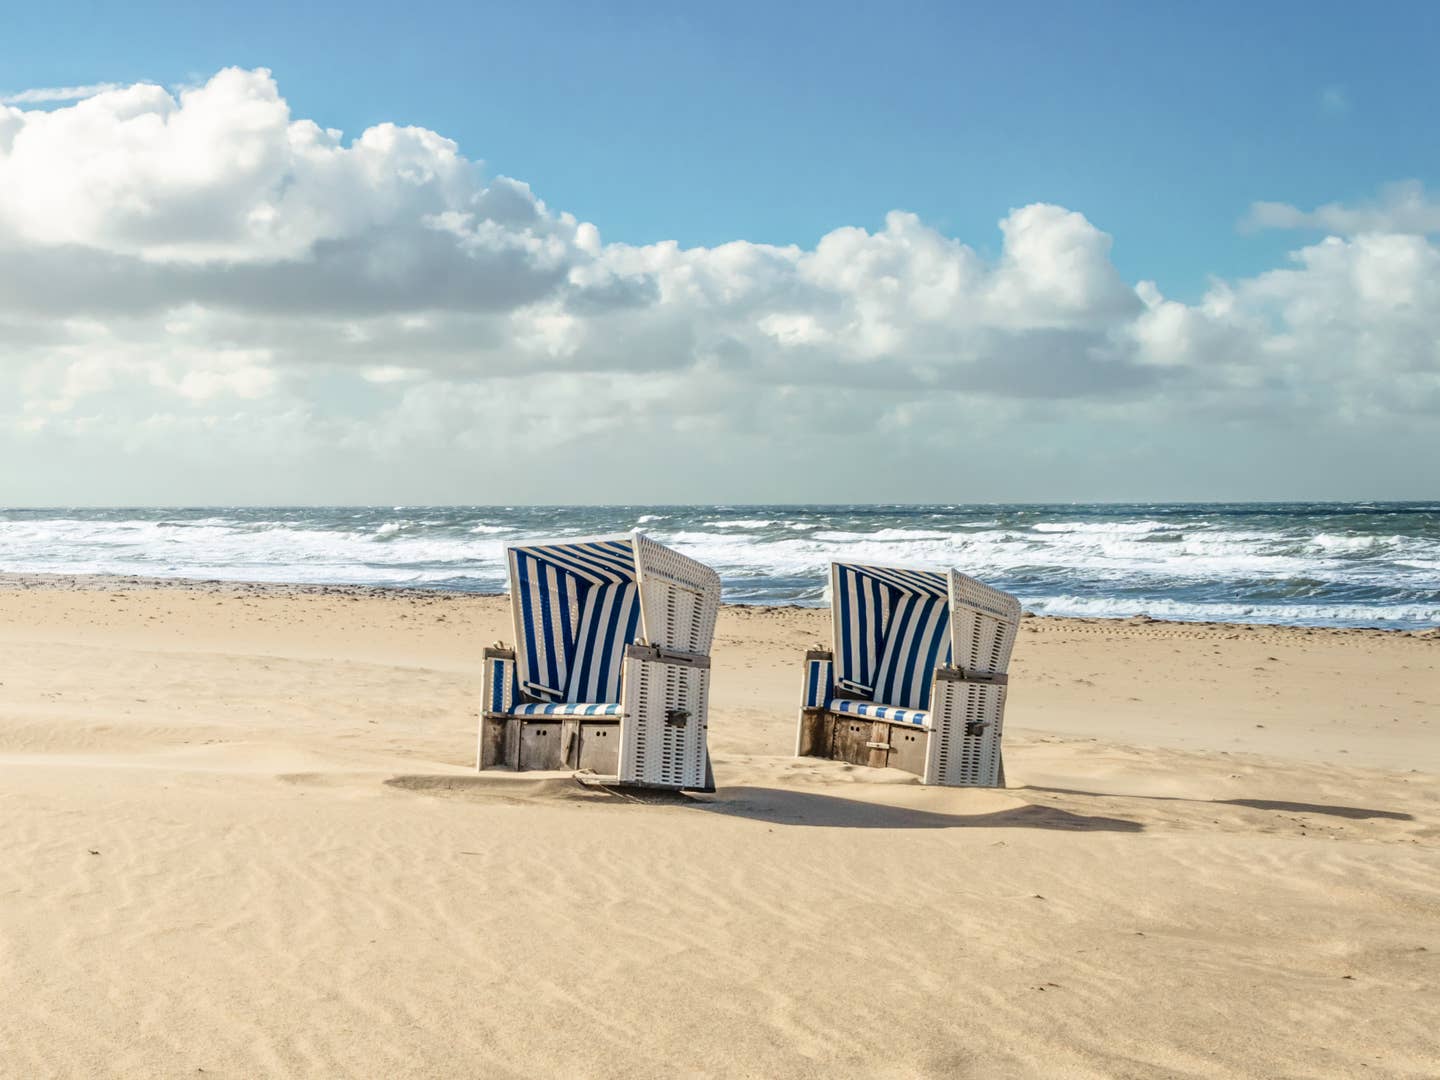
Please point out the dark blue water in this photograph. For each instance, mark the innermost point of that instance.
(1337, 564)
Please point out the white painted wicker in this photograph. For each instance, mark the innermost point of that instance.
(983, 623)
(679, 598)
(666, 696)
(967, 717)
(663, 728)
(967, 721)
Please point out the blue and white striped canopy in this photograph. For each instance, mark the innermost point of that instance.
(892, 629)
(576, 607)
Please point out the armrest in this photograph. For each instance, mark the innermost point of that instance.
(817, 687)
(654, 654)
(497, 681)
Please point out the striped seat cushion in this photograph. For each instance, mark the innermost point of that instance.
(567, 708)
(893, 713)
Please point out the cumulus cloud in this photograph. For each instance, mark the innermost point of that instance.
(204, 269)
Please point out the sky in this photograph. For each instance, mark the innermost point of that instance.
(721, 253)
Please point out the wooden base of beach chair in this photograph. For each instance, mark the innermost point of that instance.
(972, 760)
(858, 740)
(523, 743)
(552, 743)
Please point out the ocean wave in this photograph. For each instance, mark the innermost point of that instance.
(1121, 527)
(1326, 565)
(1329, 542)
(887, 536)
(1235, 611)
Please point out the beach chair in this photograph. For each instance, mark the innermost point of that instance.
(917, 678)
(610, 674)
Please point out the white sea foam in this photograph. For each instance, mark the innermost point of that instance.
(1209, 564)
(1298, 614)
(886, 536)
(1104, 527)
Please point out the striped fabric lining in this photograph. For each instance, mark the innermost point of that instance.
(577, 607)
(917, 641)
(924, 582)
(892, 630)
(605, 562)
(609, 620)
(879, 712)
(500, 690)
(548, 601)
(567, 708)
(861, 608)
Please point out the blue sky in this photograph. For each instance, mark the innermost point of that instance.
(1082, 251)
(778, 122)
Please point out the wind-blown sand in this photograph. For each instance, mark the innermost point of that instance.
(240, 836)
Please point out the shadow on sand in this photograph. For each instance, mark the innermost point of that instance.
(784, 806)
(1355, 813)
(776, 806)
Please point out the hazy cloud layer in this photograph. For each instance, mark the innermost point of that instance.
(196, 287)
(44, 95)
(1401, 208)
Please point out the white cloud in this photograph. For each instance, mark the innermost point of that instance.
(201, 269)
(1401, 208)
(51, 94)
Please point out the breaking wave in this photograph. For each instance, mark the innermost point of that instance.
(1313, 564)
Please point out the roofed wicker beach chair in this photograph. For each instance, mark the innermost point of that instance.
(917, 679)
(610, 674)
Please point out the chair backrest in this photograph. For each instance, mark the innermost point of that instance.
(576, 604)
(892, 628)
(575, 607)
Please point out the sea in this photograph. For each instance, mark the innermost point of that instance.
(1312, 564)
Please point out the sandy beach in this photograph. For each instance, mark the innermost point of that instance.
(242, 838)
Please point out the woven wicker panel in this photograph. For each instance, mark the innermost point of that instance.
(967, 723)
(680, 598)
(983, 623)
(662, 735)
